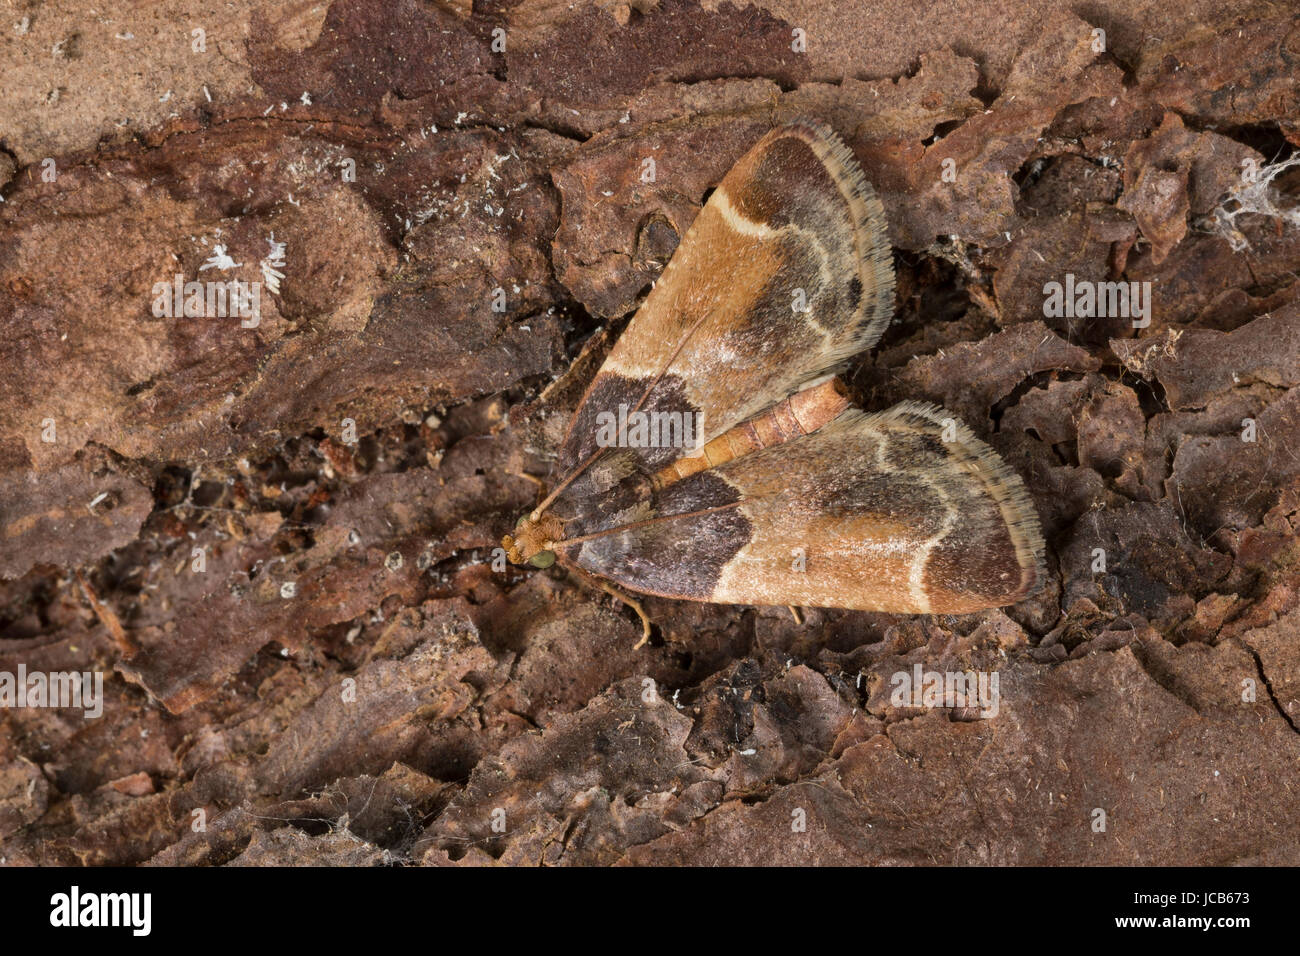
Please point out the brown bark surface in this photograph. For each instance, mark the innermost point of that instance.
(349, 680)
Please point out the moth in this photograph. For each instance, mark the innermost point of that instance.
(787, 495)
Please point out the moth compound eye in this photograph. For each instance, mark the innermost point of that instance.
(542, 559)
(520, 522)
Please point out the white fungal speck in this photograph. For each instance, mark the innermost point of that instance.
(219, 260)
(271, 265)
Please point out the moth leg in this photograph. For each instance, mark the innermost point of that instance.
(634, 605)
(537, 482)
(794, 613)
(631, 602)
(533, 478)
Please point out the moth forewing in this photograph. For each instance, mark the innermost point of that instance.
(784, 275)
(872, 512)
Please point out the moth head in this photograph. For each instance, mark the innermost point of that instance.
(531, 543)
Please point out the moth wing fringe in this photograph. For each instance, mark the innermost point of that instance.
(1000, 481)
(875, 256)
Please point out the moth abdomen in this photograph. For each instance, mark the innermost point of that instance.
(801, 414)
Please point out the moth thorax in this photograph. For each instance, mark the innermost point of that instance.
(533, 537)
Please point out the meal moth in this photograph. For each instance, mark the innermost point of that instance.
(789, 496)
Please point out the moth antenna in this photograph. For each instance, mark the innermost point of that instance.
(616, 529)
(559, 489)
